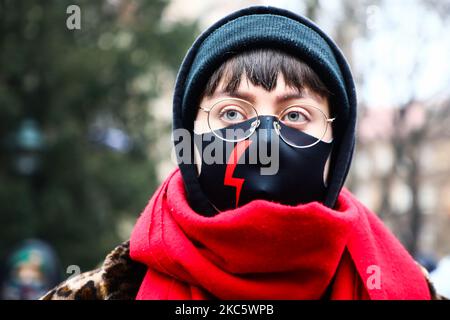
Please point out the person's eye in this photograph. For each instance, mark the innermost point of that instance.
(232, 115)
(295, 116)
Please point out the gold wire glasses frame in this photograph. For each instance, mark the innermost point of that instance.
(276, 124)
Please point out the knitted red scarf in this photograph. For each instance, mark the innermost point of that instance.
(265, 250)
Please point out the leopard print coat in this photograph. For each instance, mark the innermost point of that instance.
(119, 278)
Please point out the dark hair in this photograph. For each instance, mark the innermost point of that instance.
(262, 66)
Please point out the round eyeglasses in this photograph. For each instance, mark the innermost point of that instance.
(234, 119)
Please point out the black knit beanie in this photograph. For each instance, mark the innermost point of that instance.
(266, 27)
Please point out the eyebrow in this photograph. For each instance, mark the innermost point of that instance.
(251, 98)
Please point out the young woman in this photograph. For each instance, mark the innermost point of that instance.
(264, 114)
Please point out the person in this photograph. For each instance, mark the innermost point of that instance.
(264, 114)
(32, 268)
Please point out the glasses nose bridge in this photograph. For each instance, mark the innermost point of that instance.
(275, 123)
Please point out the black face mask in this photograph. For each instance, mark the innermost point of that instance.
(261, 167)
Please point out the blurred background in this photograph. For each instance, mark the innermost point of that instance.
(85, 118)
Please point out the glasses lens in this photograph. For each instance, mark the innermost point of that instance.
(306, 119)
(232, 119)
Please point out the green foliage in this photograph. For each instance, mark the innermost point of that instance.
(70, 81)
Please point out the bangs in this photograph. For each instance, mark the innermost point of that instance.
(262, 67)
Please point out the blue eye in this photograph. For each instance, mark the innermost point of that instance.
(294, 116)
(232, 115)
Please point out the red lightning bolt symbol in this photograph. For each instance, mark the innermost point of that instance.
(235, 155)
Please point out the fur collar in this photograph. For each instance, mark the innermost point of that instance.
(118, 278)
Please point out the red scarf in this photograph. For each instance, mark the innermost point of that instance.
(265, 250)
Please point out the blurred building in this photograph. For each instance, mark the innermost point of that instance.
(402, 165)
